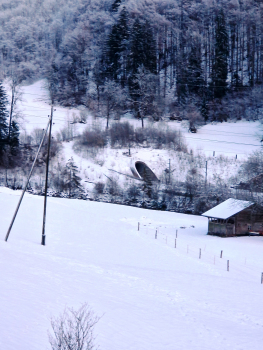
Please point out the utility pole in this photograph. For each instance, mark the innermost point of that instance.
(30, 173)
(205, 173)
(11, 110)
(43, 240)
(169, 171)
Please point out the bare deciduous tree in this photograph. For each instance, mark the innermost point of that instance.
(146, 93)
(113, 97)
(194, 117)
(73, 330)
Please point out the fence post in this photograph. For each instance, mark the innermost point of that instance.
(176, 233)
(262, 278)
(138, 226)
(156, 234)
(200, 253)
(221, 254)
(227, 265)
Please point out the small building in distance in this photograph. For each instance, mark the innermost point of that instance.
(235, 217)
(253, 185)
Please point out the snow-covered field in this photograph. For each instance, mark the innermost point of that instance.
(233, 138)
(34, 107)
(228, 138)
(219, 143)
(149, 294)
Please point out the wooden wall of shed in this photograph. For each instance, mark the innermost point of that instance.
(215, 228)
(221, 229)
(249, 219)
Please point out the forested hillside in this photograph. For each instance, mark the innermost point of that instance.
(190, 61)
(154, 57)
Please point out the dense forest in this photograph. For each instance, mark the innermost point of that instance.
(201, 60)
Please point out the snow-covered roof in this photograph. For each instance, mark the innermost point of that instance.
(228, 208)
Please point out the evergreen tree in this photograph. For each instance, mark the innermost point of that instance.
(137, 48)
(194, 80)
(3, 120)
(99, 73)
(142, 54)
(115, 6)
(113, 50)
(181, 85)
(72, 180)
(117, 48)
(219, 73)
(204, 109)
(123, 28)
(182, 56)
(143, 47)
(14, 138)
(150, 58)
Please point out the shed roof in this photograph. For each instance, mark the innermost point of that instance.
(228, 208)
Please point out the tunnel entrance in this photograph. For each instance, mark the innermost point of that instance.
(145, 172)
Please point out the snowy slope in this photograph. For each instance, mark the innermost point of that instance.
(34, 106)
(149, 294)
(233, 138)
(229, 138)
(218, 144)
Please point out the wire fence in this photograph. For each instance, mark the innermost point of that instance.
(220, 259)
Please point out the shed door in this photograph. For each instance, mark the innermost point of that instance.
(230, 230)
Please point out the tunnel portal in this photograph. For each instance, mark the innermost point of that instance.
(145, 172)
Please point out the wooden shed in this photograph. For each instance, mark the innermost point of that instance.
(235, 217)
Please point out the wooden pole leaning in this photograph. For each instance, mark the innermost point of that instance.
(43, 239)
(22, 195)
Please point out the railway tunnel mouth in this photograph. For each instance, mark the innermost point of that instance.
(145, 172)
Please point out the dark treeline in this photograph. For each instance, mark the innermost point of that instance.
(9, 134)
(202, 60)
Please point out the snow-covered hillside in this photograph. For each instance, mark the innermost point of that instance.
(218, 144)
(228, 138)
(149, 294)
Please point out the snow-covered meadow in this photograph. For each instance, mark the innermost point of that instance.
(218, 144)
(228, 138)
(149, 294)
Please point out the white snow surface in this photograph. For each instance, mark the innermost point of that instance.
(228, 208)
(228, 138)
(219, 147)
(149, 294)
(34, 107)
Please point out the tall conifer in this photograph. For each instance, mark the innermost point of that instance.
(115, 6)
(195, 80)
(137, 46)
(3, 119)
(143, 47)
(117, 48)
(219, 73)
(14, 138)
